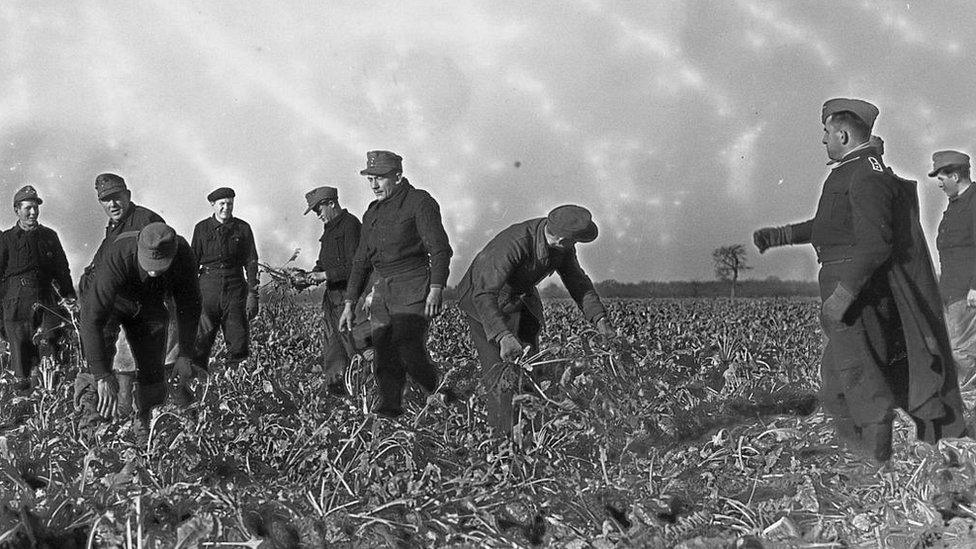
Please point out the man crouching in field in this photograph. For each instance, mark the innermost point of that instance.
(143, 268)
(887, 345)
(501, 303)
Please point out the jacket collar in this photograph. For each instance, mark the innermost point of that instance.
(864, 149)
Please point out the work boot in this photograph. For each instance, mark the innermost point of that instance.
(141, 424)
(23, 386)
(126, 385)
(148, 396)
(876, 440)
(387, 411)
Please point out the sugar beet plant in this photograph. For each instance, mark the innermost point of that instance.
(697, 425)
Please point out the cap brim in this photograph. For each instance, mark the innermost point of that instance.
(588, 234)
(149, 264)
(376, 171)
(935, 172)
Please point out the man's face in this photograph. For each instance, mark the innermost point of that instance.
(834, 138)
(949, 183)
(383, 185)
(27, 212)
(116, 204)
(327, 211)
(223, 209)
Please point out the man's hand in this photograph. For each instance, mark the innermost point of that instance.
(604, 328)
(837, 304)
(770, 237)
(971, 298)
(511, 348)
(318, 277)
(434, 301)
(346, 318)
(108, 395)
(69, 303)
(251, 307)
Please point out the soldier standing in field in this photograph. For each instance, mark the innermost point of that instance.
(143, 268)
(887, 345)
(339, 240)
(956, 243)
(33, 271)
(224, 247)
(404, 240)
(500, 300)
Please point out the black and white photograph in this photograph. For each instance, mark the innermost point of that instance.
(572, 274)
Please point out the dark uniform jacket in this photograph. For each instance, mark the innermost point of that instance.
(226, 247)
(503, 278)
(957, 246)
(120, 276)
(400, 234)
(868, 220)
(340, 239)
(134, 219)
(37, 255)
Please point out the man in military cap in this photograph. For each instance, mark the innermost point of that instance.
(887, 345)
(123, 216)
(142, 267)
(500, 300)
(33, 271)
(224, 247)
(956, 243)
(404, 240)
(339, 240)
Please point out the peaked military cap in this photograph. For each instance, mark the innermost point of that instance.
(571, 221)
(27, 192)
(157, 246)
(860, 108)
(382, 162)
(947, 159)
(107, 184)
(220, 194)
(319, 195)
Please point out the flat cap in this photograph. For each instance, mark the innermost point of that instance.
(571, 221)
(107, 184)
(27, 192)
(382, 162)
(319, 195)
(946, 159)
(860, 108)
(156, 247)
(221, 193)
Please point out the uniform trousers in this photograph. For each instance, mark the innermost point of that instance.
(864, 370)
(399, 333)
(961, 324)
(501, 378)
(223, 308)
(21, 319)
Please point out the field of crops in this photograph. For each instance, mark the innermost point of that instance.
(696, 428)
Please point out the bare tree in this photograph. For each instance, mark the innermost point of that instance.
(729, 262)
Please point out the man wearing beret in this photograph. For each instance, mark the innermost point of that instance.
(33, 271)
(887, 345)
(144, 268)
(123, 216)
(224, 247)
(338, 243)
(404, 240)
(501, 303)
(956, 243)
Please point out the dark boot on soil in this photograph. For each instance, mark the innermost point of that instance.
(141, 423)
(337, 388)
(23, 386)
(876, 441)
(387, 411)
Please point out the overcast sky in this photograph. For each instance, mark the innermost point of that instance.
(683, 126)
